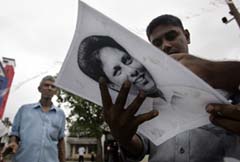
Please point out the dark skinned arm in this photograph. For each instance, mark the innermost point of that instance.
(219, 74)
(61, 150)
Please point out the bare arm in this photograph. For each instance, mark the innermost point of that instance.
(220, 75)
(226, 75)
(61, 150)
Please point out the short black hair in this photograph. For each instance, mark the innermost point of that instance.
(48, 77)
(163, 20)
(88, 55)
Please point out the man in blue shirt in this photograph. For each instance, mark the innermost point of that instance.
(38, 129)
(204, 144)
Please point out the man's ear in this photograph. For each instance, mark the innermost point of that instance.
(39, 88)
(187, 35)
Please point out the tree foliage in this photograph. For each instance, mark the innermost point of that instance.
(85, 118)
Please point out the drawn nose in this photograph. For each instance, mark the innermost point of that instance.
(134, 73)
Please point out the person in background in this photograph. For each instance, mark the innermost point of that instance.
(92, 156)
(81, 152)
(38, 128)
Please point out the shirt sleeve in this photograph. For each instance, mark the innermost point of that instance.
(128, 158)
(62, 129)
(16, 123)
(232, 145)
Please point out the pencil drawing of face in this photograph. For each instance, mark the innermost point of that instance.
(120, 66)
(102, 56)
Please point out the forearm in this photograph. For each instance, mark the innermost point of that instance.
(61, 150)
(134, 148)
(219, 74)
(225, 75)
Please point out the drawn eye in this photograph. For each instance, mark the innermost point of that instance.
(127, 60)
(170, 36)
(117, 71)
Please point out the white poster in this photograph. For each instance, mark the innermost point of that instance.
(102, 47)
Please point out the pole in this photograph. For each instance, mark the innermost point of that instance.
(234, 11)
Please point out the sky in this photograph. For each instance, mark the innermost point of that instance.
(38, 34)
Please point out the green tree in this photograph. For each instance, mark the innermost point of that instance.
(85, 118)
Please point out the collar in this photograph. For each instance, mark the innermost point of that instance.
(38, 105)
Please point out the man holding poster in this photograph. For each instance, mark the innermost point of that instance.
(207, 143)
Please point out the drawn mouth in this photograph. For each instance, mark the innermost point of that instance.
(141, 79)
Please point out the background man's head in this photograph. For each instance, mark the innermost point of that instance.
(167, 33)
(102, 56)
(47, 87)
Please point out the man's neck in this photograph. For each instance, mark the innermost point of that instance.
(46, 104)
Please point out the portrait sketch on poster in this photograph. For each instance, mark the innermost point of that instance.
(103, 48)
